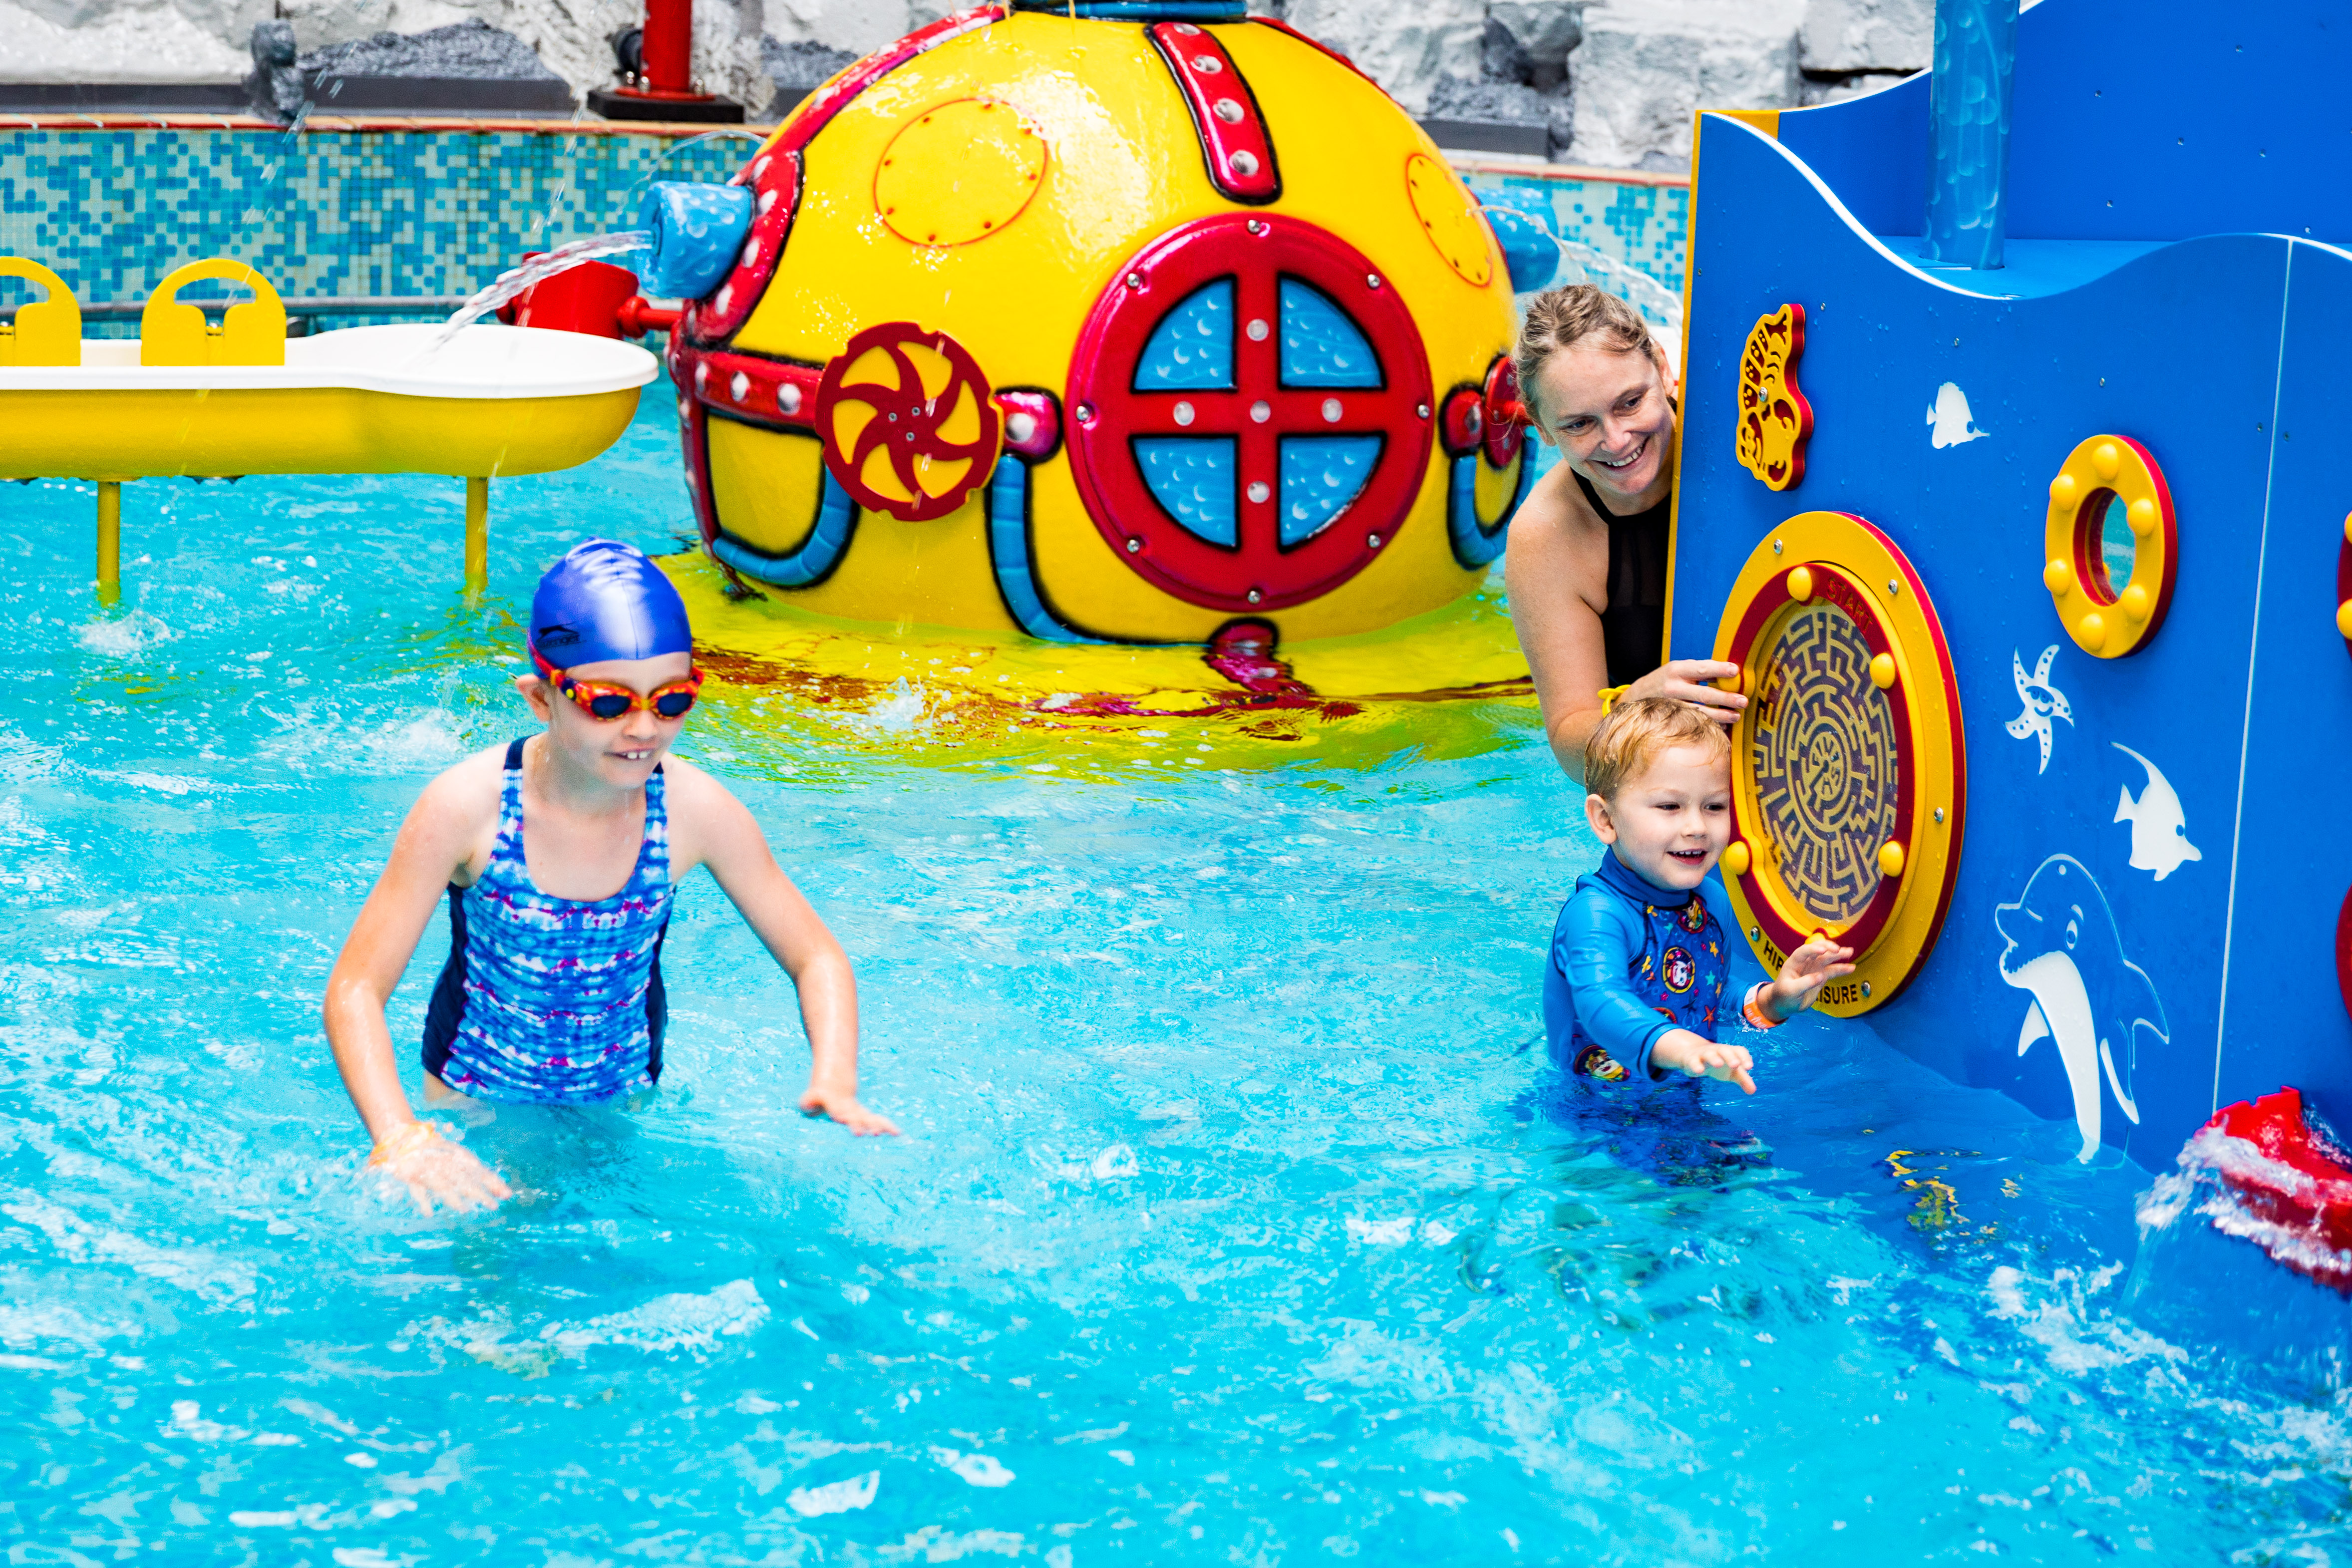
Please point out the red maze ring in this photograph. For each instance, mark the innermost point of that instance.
(907, 420)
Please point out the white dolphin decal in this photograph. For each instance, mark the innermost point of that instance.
(2088, 998)
(2159, 831)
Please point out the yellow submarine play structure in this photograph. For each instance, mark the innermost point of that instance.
(230, 395)
(1105, 327)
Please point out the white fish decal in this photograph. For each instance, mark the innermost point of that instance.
(2043, 702)
(1951, 422)
(2089, 1000)
(2159, 831)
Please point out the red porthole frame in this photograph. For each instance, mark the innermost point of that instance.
(1106, 413)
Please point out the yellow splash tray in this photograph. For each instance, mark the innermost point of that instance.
(231, 396)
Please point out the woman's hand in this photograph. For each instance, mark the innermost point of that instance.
(840, 1106)
(1687, 1051)
(1693, 681)
(433, 1168)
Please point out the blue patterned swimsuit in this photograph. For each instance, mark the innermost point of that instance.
(552, 1000)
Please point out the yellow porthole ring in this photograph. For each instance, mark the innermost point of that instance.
(2103, 620)
(1849, 768)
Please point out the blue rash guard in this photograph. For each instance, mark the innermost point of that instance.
(1631, 960)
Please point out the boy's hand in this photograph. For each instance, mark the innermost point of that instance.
(1808, 969)
(433, 1168)
(841, 1106)
(1684, 1051)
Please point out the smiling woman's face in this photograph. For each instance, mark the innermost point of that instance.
(1609, 415)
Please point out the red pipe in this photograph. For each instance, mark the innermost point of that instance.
(668, 48)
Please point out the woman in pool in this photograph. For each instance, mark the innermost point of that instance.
(1587, 562)
(561, 852)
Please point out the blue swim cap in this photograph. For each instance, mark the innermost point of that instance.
(605, 601)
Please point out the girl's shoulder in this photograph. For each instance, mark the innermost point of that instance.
(691, 793)
(470, 788)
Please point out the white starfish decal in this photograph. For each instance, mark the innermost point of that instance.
(2043, 702)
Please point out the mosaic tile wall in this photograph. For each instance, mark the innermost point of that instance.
(441, 212)
(1643, 225)
(324, 212)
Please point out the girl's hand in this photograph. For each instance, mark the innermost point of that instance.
(841, 1106)
(1693, 681)
(1807, 970)
(1682, 1051)
(433, 1168)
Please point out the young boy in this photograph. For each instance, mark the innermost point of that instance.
(561, 852)
(1638, 959)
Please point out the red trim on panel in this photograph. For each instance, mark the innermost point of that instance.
(1235, 142)
(2171, 541)
(753, 388)
(1045, 413)
(1461, 421)
(1106, 413)
(1505, 415)
(2344, 942)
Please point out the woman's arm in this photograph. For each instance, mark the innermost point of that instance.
(720, 832)
(439, 835)
(1555, 572)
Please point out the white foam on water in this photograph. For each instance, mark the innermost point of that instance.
(679, 1321)
(835, 1497)
(124, 636)
(192, 1269)
(974, 1469)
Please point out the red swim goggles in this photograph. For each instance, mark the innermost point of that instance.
(605, 702)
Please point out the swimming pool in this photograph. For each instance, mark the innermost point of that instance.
(1236, 1218)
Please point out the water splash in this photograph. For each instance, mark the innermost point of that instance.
(724, 134)
(516, 281)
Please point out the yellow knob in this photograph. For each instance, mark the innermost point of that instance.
(1800, 583)
(2105, 461)
(2347, 527)
(1890, 858)
(2094, 630)
(1734, 858)
(1881, 671)
(2058, 577)
(2142, 516)
(1732, 683)
(2344, 618)
(2133, 601)
(2062, 490)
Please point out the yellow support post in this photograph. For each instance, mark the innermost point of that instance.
(110, 540)
(478, 537)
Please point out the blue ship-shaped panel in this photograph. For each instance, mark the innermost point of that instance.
(2176, 865)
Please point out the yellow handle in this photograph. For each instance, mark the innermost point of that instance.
(49, 331)
(253, 333)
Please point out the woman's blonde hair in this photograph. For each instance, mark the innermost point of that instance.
(1561, 319)
(1637, 733)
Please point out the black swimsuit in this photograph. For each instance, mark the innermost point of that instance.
(1633, 627)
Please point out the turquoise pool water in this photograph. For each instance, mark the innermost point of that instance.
(1237, 1221)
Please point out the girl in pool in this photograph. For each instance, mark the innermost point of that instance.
(561, 852)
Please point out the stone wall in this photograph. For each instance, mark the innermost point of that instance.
(1613, 80)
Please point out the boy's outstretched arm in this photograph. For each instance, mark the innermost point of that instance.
(729, 841)
(1802, 976)
(432, 842)
(1686, 1051)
